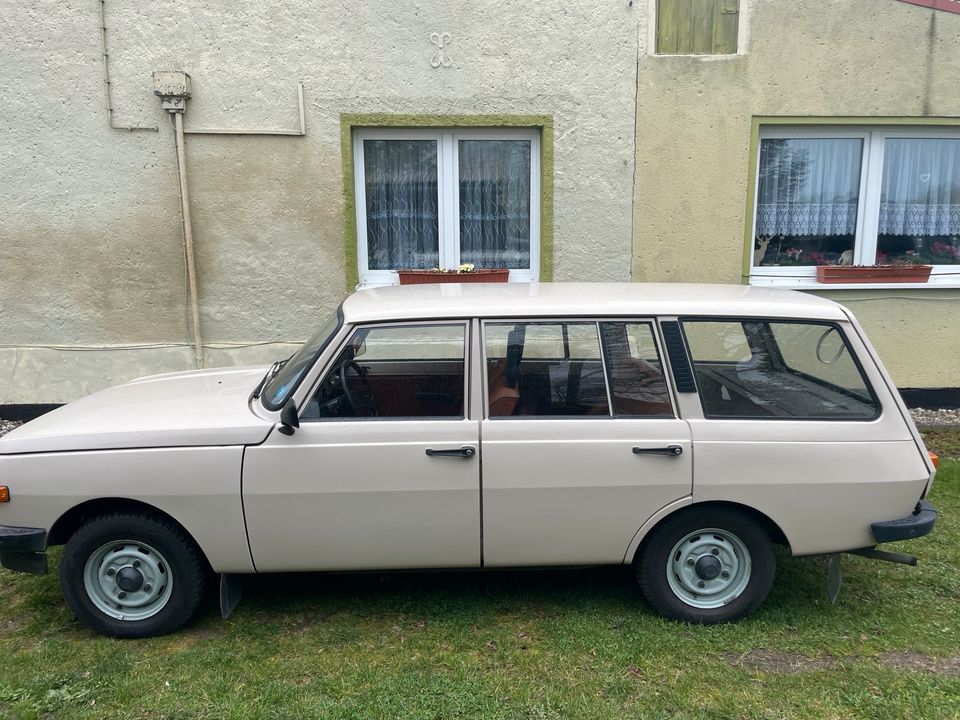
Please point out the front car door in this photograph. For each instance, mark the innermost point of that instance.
(581, 443)
(354, 487)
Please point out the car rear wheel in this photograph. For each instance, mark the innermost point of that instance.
(706, 565)
(132, 575)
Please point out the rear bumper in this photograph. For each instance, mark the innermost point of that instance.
(915, 525)
(21, 549)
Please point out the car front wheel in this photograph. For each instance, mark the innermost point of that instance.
(706, 565)
(132, 575)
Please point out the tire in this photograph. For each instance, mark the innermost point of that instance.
(132, 575)
(706, 565)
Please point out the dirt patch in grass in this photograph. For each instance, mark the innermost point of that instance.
(905, 660)
(945, 442)
(775, 661)
(790, 663)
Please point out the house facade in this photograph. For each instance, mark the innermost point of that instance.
(327, 145)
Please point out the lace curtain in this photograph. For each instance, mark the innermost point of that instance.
(920, 191)
(401, 197)
(808, 186)
(495, 203)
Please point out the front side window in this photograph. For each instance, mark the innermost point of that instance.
(855, 197)
(441, 198)
(410, 371)
(757, 369)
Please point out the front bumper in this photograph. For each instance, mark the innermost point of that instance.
(21, 549)
(915, 525)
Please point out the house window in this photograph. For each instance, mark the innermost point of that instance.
(439, 198)
(855, 197)
(697, 27)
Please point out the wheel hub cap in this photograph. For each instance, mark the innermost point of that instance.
(129, 579)
(707, 567)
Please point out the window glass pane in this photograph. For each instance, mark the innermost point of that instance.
(396, 372)
(495, 203)
(551, 368)
(920, 202)
(636, 374)
(807, 201)
(794, 371)
(401, 204)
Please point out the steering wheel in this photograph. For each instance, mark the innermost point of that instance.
(359, 405)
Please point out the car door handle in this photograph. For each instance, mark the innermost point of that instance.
(670, 450)
(465, 452)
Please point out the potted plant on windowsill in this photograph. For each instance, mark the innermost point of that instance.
(905, 269)
(465, 273)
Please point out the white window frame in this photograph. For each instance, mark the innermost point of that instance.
(448, 197)
(868, 206)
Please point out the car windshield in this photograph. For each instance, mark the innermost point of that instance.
(279, 387)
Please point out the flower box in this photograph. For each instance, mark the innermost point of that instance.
(873, 273)
(422, 277)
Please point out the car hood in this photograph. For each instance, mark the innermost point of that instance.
(201, 407)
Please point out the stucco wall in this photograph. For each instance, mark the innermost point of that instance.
(92, 288)
(824, 58)
(90, 236)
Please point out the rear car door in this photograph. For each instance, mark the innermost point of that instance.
(581, 442)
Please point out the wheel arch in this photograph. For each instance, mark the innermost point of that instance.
(70, 521)
(766, 523)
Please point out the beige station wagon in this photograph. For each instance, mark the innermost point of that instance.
(678, 429)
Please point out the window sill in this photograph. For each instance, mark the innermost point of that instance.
(787, 282)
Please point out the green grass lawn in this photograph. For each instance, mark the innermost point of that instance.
(574, 644)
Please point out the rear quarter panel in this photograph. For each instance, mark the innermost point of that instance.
(822, 482)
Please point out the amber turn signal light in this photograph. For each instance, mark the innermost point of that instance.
(4, 493)
(935, 459)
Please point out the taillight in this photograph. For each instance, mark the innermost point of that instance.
(934, 458)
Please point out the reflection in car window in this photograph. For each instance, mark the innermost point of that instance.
(780, 370)
(412, 371)
(279, 387)
(637, 386)
(544, 368)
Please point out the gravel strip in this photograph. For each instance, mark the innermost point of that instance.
(936, 418)
(8, 425)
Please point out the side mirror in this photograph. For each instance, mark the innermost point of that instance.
(288, 418)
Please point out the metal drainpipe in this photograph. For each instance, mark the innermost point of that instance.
(173, 88)
(188, 238)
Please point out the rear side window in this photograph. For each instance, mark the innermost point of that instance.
(634, 370)
(545, 369)
(777, 370)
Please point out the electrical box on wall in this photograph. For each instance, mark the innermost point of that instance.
(171, 83)
(173, 88)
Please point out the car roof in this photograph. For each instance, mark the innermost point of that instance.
(528, 300)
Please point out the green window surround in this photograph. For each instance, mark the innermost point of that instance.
(350, 122)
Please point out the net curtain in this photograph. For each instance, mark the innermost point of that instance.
(920, 191)
(808, 187)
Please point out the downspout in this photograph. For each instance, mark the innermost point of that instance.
(188, 238)
(173, 88)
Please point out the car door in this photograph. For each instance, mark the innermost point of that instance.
(383, 471)
(573, 464)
